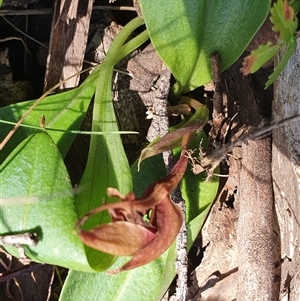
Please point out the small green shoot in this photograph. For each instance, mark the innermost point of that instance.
(283, 17)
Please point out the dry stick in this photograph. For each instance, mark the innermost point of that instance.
(286, 172)
(23, 270)
(209, 162)
(160, 127)
(37, 102)
(28, 238)
(49, 11)
(218, 97)
(257, 233)
(218, 107)
(68, 38)
(181, 246)
(15, 38)
(18, 240)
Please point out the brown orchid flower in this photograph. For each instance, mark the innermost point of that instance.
(129, 234)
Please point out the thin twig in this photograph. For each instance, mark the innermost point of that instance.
(37, 102)
(23, 33)
(212, 160)
(7, 279)
(48, 11)
(25, 269)
(15, 38)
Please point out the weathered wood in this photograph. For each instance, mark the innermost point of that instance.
(257, 229)
(242, 264)
(286, 175)
(68, 39)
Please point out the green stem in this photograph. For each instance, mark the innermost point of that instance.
(133, 44)
(118, 50)
(115, 52)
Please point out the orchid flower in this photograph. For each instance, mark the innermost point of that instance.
(129, 233)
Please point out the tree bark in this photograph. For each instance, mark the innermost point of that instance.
(286, 174)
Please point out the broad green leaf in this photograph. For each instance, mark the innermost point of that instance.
(141, 284)
(186, 33)
(149, 282)
(36, 195)
(62, 111)
(107, 163)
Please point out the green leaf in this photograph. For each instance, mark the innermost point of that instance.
(65, 110)
(290, 49)
(285, 25)
(295, 4)
(36, 195)
(107, 164)
(185, 33)
(259, 57)
(140, 284)
(149, 282)
(62, 111)
(284, 20)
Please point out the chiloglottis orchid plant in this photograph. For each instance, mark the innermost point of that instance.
(129, 233)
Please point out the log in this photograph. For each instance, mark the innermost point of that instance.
(286, 174)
